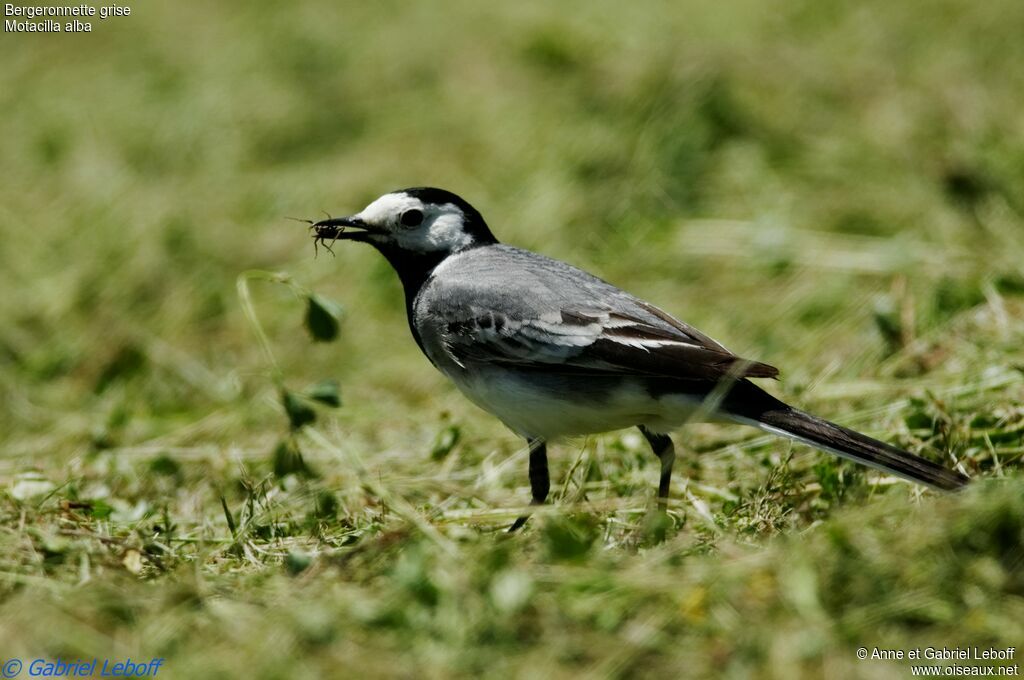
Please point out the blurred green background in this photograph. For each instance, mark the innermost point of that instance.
(835, 188)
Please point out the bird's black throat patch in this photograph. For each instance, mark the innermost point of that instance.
(413, 269)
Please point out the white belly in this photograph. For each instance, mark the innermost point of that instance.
(533, 410)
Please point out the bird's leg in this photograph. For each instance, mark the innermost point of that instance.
(540, 482)
(662, 446)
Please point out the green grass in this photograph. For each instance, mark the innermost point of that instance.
(836, 189)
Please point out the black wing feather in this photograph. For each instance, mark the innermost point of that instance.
(595, 343)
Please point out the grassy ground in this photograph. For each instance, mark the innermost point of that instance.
(834, 188)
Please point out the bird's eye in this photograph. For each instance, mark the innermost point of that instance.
(411, 218)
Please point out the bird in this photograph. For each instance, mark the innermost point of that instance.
(554, 351)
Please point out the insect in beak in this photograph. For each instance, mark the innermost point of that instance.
(322, 232)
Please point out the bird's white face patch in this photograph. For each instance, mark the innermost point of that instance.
(441, 229)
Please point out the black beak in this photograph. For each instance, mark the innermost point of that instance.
(337, 228)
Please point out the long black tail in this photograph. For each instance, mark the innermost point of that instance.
(860, 448)
(758, 408)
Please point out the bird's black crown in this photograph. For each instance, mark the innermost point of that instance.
(474, 221)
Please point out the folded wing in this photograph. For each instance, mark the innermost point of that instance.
(510, 306)
(592, 341)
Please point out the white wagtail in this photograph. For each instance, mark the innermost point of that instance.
(552, 350)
